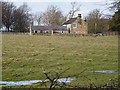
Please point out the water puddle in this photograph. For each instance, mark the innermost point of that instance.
(103, 71)
(66, 80)
(12, 83)
(61, 80)
(30, 82)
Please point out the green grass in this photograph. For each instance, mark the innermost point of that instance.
(24, 56)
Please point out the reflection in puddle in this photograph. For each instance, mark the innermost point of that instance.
(103, 71)
(30, 82)
(12, 83)
(65, 80)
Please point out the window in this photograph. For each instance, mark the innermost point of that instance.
(74, 25)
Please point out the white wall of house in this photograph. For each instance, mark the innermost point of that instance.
(68, 26)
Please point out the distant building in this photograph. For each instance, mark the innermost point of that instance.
(76, 25)
(72, 26)
(49, 29)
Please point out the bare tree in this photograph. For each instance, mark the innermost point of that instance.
(115, 5)
(21, 18)
(0, 15)
(93, 19)
(95, 14)
(53, 16)
(7, 14)
(38, 18)
(75, 8)
(53, 78)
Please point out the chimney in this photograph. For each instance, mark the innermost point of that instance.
(79, 15)
(79, 18)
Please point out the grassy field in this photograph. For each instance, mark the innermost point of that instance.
(24, 57)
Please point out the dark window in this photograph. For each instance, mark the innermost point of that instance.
(74, 25)
(68, 30)
(41, 31)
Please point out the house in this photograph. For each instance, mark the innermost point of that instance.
(49, 29)
(72, 26)
(76, 25)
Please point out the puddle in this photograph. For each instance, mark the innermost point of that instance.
(12, 83)
(61, 80)
(30, 82)
(66, 80)
(103, 71)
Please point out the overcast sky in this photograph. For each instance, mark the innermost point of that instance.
(64, 5)
(59, 0)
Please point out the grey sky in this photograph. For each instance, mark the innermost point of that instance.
(64, 5)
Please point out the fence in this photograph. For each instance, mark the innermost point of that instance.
(110, 33)
(66, 34)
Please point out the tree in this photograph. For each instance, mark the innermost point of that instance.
(115, 21)
(21, 18)
(38, 18)
(115, 5)
(93, 19)
(74, 9)
(0, 15)
(7, 14)
(53, 16)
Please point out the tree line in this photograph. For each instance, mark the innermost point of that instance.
(18, 19)
(15, 19)
(115, 21)
(97, 22)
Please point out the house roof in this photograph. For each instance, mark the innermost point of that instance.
(62, 28)
(70, 21)
(59, 28)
